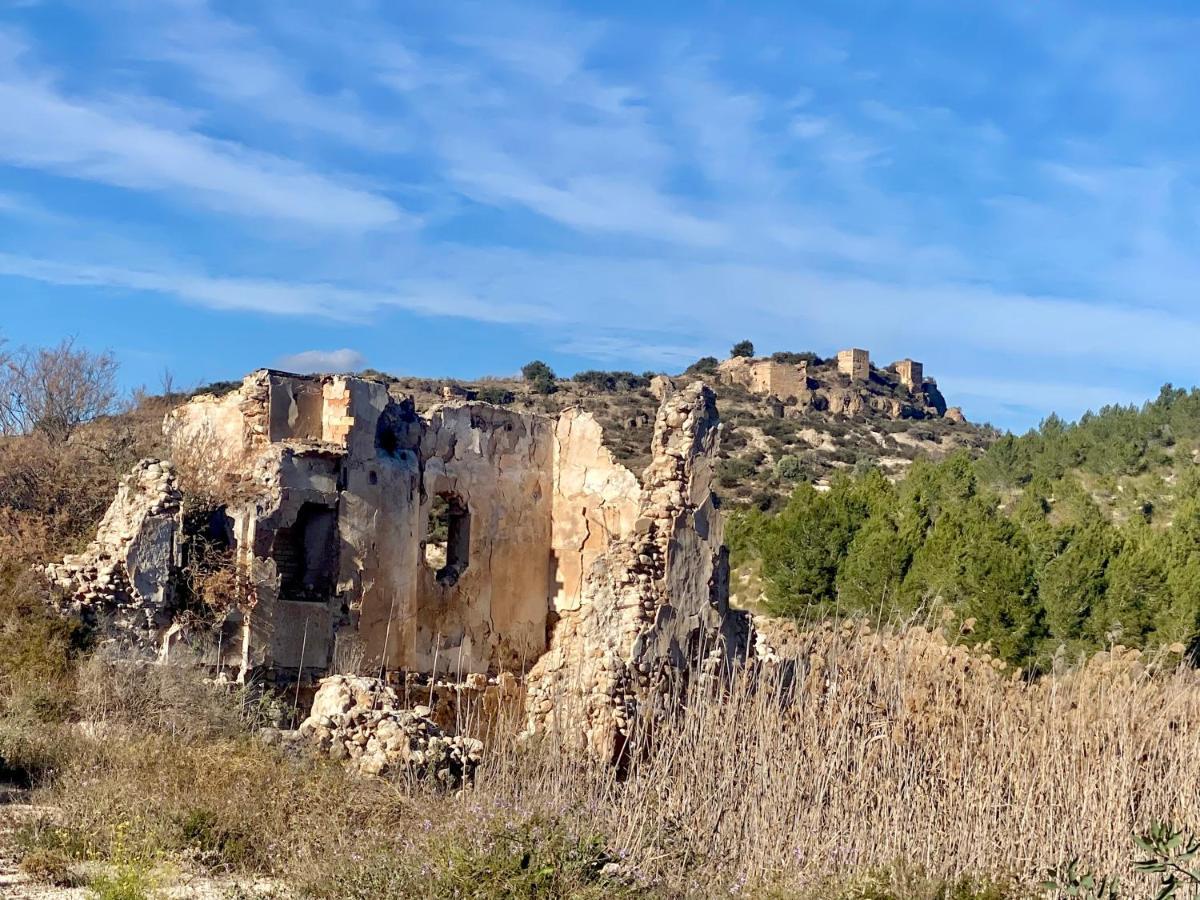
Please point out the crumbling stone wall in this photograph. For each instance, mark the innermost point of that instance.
(855, 363)
(781, 380)
(912, 373)
(596, 500)
(766, 376)
(124, 576)
(348, 452)
(559, 565)
(656, 603)
(498, 464)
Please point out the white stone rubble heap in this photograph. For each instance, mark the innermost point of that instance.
(359, 720)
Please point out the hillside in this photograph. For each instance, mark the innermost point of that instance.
(1072, 537)
(1021, 546)
(769, 444)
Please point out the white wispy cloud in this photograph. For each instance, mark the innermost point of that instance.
(234, 64)
(310, 361)
(279, 296)
(610, 349)
(520, 120)
(105, 141)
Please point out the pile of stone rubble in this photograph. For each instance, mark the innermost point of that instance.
(360, 721)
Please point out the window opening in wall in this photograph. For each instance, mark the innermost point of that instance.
(306, 555)
(448, 541)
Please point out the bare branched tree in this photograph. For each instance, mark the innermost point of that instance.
(166, 383)
(55, 390)
(7, 402)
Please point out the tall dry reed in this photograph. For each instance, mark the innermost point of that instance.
(876, 749)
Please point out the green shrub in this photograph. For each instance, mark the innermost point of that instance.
(497, 395)
(31, 750)
(51, 865)
(525, 860)
(903, 882)
(541, 377)
(731, 472)
(610, 381)
(126, 881)
(789, 358)
(36, 646)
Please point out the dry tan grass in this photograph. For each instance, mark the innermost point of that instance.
(896, 748)
(877, 751)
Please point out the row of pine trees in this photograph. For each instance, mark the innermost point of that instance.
(1011, 542)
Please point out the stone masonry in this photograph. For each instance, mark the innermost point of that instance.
(549, 563)
(855, 363)
(912, 373)
(124, 577)
(766, 376)
(657, 601)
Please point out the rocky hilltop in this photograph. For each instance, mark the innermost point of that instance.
(786, 419)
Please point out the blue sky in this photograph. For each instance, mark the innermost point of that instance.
(1004, 190)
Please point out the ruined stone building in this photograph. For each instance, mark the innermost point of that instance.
(855, 363)
(912, 373)
(798, 387)
(766, 376)
(471, 540)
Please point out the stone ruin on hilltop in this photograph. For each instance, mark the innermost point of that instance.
(899, 391)
(471, 545)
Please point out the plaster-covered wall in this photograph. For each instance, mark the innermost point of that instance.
(596, 500)
(498, 463)
(545, 498)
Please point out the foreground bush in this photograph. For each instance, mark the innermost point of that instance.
(36, 645)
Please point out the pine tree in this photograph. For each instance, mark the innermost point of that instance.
(1072, 586)
(805, 544)
(1178, 619)
(978, 563)
(1137, 594)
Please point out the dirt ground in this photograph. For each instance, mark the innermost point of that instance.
(15, 809)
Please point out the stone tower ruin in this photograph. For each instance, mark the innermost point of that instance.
(855, 363)
(912, 373)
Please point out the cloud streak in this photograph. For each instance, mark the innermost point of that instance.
(275, 296)
(44, 129)
(310, 361)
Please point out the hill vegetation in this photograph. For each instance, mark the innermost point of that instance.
(1049, 543)
(767, 447)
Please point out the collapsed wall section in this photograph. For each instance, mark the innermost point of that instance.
(655, 605)
(125, 576)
